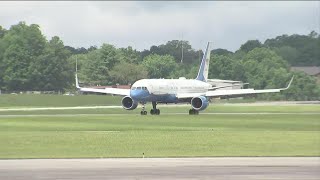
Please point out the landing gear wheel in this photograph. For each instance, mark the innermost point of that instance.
(155, 111)
(193, 112)
(143, 112)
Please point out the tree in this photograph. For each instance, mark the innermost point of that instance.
(127, 73)
(92, 48)
(259, 66)
(288, 53)
(51, 70)
(98, 63)
(94, 69)
(250, 45)
(306, 48)
(21, 45)
(222, 52)
(313, 34)
(181, 51)
(2, 32)
(224, 67)
(108, 54)
(159, 66)
(73, 50)
(128, 55)
(303, 88)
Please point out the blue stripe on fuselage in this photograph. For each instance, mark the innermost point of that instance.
(145, 96)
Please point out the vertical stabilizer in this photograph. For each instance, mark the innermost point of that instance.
(204, 67)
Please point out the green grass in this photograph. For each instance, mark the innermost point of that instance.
(166, 135)
(120, 133)
(39, 100)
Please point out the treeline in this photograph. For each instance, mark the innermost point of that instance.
(28, 61)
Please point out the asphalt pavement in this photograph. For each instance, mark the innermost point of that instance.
(163, 168)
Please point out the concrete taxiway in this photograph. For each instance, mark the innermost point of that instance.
(163, 168)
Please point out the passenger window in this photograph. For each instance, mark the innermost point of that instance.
(138, 87)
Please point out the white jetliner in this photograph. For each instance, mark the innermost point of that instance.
(194, 91)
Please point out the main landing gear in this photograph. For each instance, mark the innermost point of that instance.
(193, 112)
(154, 110)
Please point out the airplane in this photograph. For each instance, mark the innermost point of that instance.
(196, 91)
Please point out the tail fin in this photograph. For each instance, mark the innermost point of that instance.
(204, 67)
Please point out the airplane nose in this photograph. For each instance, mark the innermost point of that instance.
(138, 94)
(134, 94)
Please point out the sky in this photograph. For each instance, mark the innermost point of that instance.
(141, 24)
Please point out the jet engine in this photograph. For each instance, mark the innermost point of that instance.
(128, 103)
(199, 103)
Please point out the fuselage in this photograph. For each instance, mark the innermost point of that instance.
(165, 90)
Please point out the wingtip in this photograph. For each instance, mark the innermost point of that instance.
(289, 83)
(77, 82)
(76, 75)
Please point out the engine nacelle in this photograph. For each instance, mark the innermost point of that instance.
(199, 103)
(128, 103)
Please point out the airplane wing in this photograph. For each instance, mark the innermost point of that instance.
(220, 87)
(115, 91)
(231, 93)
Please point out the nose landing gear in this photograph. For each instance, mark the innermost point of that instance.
(143, 111)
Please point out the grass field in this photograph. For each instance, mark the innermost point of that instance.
(39, 100)
(126, 134)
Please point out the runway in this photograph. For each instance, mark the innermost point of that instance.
(75, 115)
(272, 103)
(163, 168)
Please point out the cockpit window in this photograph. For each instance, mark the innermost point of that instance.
(139, 88)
